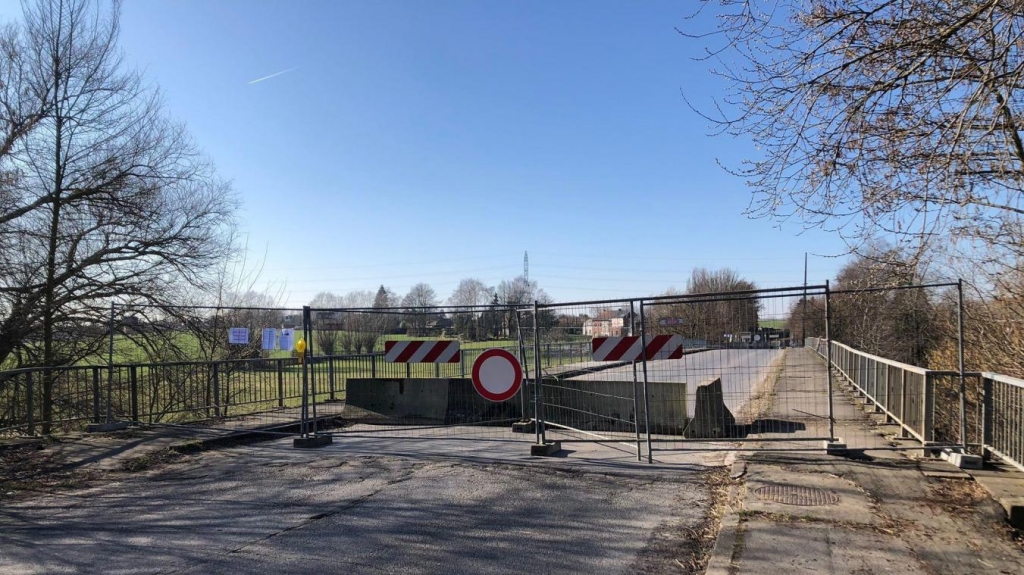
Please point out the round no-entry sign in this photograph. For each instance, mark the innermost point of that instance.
(497, 375)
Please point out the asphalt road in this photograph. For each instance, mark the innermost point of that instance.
(741, 370)
(272, 509)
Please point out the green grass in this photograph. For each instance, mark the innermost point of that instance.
(772, 323)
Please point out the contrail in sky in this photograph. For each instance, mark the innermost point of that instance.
(272, 75)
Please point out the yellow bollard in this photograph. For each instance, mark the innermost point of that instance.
(300, 347)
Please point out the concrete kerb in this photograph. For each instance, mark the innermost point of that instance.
(729, 543)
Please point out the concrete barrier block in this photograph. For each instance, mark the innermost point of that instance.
(711, 418)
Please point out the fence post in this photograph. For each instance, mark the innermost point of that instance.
(95, 395)
(216, 390)
(538, 378)
(928, 408)
(636, 401)
(303, 360)
(133, 376)
(280, 382)
(960, 342)
(828, 360)
(330, 375)
(30, 403)
(647, 404)
(437, 370)
(987, 415)
(408, 370)
(373, 365)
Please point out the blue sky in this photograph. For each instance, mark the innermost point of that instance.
(432, 141)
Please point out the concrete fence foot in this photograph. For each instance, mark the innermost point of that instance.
(312, 441)
(546, 449)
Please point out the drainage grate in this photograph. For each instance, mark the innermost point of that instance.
(794, 495)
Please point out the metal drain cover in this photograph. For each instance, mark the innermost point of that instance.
(794, 495)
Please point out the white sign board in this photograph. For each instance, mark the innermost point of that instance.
(269, 338)
(286, 341)
(238, 336)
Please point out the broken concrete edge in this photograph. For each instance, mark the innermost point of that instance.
(108, 426)
(312, 441)
(546, 449)
(1014, 508)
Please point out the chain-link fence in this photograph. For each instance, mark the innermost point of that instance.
(879, 368)
(739, 377)
(407, 372)
(590, 398)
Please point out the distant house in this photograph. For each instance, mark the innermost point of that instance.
(441, 323)
(609, 323)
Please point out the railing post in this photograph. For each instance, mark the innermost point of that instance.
(903, 403)
(133, 376)
(987, 415)
(95, 395)
(30, 403)
(373, 365)
(408, 370)
(883, 404)
(928, 408)
(216, 390)
(280, 382)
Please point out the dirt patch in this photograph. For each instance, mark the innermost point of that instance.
(32, 468)
(958, 496)
(683, 549)
(161, 457)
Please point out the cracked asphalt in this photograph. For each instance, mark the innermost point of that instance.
(251, 510)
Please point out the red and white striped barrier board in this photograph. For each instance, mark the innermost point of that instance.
(422, 351)
(628, 348)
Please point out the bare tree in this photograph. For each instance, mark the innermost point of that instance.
(420, 295)
(469, 292)
(103, 197)
(325, 328)
(875, 116)
(717, 318)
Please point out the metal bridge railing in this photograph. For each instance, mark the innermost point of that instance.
(904, 393)
(1003, 417)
